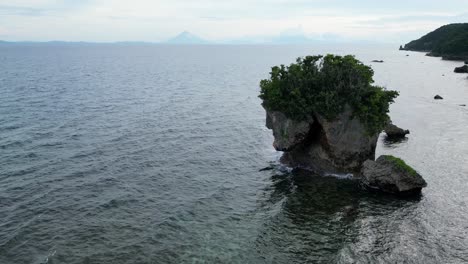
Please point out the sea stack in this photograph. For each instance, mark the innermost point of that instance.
(323, 121)
(328, 122)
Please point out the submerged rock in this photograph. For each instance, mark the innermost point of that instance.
(340, 145)
(267, 168)
(393, 131)
(462, 69)
(392, 175)
(438, 97)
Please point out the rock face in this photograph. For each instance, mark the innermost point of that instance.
(462, 69)
(393, 131)
(340, 145)
(287, 132)
(391, 175)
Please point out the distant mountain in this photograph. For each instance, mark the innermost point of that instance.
(187, 38)
(449, 42)
(47, 43)
(72, 43)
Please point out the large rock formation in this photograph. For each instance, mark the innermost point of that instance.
(339, 145)
(392, 175)
(325, 113)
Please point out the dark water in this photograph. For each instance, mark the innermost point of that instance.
(151, 154)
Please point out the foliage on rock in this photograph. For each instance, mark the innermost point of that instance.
(324, 85)
(401, 164)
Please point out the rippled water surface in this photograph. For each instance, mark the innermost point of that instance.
(151, 154)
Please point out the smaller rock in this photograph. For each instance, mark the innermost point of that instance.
(407, 55)
(452, 57)
(462, 105)
(350, 211)
(462, 69)
(379, 61)
(438, 97)
(393, 131)
(392, 175)
(466, 62)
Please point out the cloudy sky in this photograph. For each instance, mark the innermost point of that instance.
(157, 20)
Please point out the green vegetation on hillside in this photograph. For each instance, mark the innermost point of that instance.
(449, 41)
(324, 85)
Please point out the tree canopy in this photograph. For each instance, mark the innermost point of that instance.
(324, 85)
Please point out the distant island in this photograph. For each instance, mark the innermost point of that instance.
(449, 42)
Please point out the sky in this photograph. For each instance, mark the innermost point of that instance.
(395, 21)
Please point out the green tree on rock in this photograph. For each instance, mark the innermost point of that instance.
(324, 85)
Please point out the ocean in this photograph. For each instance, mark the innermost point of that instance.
(153, 154)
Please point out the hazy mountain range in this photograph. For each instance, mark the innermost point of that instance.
(187, 38)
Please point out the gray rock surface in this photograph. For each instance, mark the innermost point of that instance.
(390, 176)
(288, 133)
(340, 145)
(393, 131)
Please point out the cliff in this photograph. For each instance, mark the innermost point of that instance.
(321, 145)
(449, 42)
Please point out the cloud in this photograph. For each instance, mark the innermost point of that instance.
(41, 7)
(155, 20)
(20, 11)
